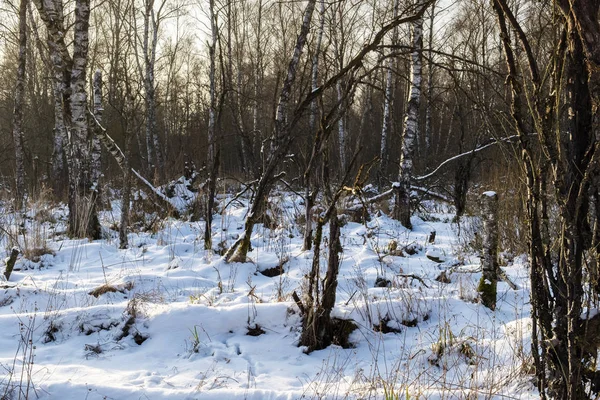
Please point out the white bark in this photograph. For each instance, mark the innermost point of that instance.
(410, 132)
(96, 155)
(388, 103)
(150, 40)
(279, 145)
(51, 13)
(342, 134)
(284, 97)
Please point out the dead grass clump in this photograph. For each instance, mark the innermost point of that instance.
(106, 288)
(255, 330)
(35, 254)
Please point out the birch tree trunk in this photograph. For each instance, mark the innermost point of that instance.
(96, 149)
(150, 39)
(18, 107)
(402, 210)
(82, 215)
(342, 134)
(51, 13)
(70, 106)
(387, 107)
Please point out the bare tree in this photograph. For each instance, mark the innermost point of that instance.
(410, 133)
(71, 108)
(18, 107)
(564, 336)
(280, 143)
(282, 139)
(387, 105)
(213, 145)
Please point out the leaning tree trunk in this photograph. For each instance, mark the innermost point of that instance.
(96, 148)
(282, 138)
(18, 107)
(402, 210)
(279, 145)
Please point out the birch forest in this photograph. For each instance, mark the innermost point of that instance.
(177, 110)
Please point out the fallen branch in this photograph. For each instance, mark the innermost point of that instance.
(119, 156)
(505, 278)
(412, 276)
(388, 193)
(466, 153)
(298, 302)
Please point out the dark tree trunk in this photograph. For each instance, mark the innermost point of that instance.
(18, 107)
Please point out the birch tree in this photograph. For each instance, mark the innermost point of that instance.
(410, 131)
(388, 104)
(152, 20)
(71, 108)
(280, 143)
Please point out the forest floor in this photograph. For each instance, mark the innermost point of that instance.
(166, 319)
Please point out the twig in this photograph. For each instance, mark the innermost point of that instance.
(413, 276)
(298, 302)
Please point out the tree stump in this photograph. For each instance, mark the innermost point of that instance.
(489, 257)
(10, 262)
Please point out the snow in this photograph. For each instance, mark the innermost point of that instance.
(194, 311)
(489, 193)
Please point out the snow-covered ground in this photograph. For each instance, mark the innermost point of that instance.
(166, 319)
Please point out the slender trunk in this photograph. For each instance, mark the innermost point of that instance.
(258, 74)
(342, 134)
(387, 107)
(213, 154)
(155, 161)
(126, 198)
(18, 107)
(311, 192)
(402, 211)
(96, 149)
(429, 82)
